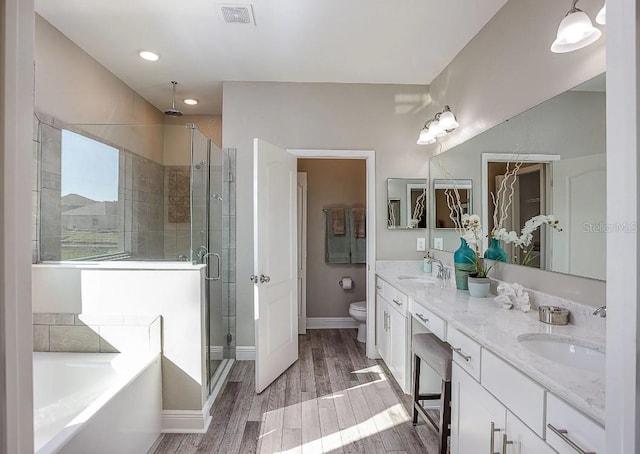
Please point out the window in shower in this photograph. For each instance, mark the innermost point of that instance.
(80, 214)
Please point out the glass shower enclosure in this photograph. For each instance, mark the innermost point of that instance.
(138, 193)
(209, 234)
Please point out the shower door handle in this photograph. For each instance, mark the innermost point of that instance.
(264, 278)
(219, 260)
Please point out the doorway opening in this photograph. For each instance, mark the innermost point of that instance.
(344, 159)
(332, 244)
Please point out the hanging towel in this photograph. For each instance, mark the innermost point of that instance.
(359, 223)
(358, 245)
(338, 224)
(337, 247)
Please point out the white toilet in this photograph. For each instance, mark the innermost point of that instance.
(359, 312)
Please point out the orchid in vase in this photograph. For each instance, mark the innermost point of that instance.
(478, 281)
(473, 236)
(525, 240)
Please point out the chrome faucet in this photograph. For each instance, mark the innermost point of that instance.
(443, 271)
(601, 311)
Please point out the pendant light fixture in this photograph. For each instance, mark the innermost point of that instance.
(575, 31)
(601, 18)
(441, 124)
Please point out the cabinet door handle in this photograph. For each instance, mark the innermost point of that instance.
(467, 358)
(505, 442)
(423, 318)
(379, 287)
(492, 438)
(397, 302)
(388, 322)
(564, 435)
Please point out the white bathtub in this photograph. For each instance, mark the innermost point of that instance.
(96, 402)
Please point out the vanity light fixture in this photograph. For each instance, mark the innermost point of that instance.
(148, 55)
(601, 18)
(575, 31)
(441, 124)
(191, 102)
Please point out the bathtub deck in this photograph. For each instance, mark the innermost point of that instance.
(333, 399)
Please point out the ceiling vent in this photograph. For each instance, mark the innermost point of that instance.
(237, 14)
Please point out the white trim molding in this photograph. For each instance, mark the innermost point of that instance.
(216, 353)
(370, 157)
(245, 353)
(331, 322)
(185, 421)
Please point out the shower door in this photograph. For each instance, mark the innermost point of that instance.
(207, 244)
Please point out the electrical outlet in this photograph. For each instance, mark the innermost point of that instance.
(438, 243)
(420, 245)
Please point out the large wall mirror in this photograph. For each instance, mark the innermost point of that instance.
(559, 147)
(406, 203)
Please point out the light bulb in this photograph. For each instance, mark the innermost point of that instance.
(425, 137)
(575, 32)
(448, 120)
(148, 55)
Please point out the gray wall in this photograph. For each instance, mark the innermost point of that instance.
(508, 68)
(384, 118)
(331, 183)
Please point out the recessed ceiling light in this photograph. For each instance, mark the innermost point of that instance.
(191, 102)
(148, 55)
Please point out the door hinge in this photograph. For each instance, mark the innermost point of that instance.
(229, 338)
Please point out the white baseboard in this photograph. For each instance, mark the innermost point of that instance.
(195, 421)
(216, 353)
(331, 322)
(245, 353)
(185, 421)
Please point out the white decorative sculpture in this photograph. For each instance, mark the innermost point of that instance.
(511, 295)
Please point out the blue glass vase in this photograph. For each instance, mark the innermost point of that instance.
(495, 252)
(464, 260)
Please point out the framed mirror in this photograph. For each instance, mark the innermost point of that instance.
(406, 203)
(561, 147)
(443, 192)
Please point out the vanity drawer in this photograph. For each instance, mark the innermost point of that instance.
(395, 298)
(523, 396)
(580, 430)
(466, 352)
(380, 286)
(428, 319)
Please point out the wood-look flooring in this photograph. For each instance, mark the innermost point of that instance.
(332, 400)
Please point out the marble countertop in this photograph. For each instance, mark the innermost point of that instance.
(496, 329)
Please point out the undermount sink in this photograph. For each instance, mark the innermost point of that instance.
(565, 350)
(421, 279)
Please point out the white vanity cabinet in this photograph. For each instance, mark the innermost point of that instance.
(391, 332)
(481, 424)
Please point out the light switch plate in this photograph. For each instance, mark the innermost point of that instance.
(438, 243)
(420, 245)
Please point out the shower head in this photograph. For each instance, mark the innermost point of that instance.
(173, 112)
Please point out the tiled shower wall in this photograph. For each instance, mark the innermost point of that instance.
(177, 214)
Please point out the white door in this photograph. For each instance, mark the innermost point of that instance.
(275, 261)
(581, 210)
(302, 253)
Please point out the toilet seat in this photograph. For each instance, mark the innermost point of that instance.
(360, 306)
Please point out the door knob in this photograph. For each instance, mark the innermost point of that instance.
(253, 278)
(264, 278)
